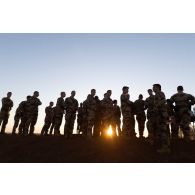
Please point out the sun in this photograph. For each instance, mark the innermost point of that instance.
(109, 132)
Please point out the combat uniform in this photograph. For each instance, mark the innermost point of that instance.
(32, 114)
(48, 120)
(59, 112)
(183, 103)
(71, 107)
(90, 106)
(107, 114)
(127, 108)
(140, 115)
(7, 105)
(116, 120)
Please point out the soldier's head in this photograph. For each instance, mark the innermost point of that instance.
(28, 97)
(169, 101)
(150, 92)
(180, 89)
(73, 93)
(36, 94)
(141, 97)
(96, 98)
(51, 104)
(63, 94)
(93, 92)
(109, 93)
(156, 88)
(9, 94)
(125, 90)
(115, 102)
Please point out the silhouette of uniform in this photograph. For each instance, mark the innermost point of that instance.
(127, 108)
(90, 106)
(160, 120)
(71, 107)
(48, 120)
(140, 115)
(7, 105)
(149, 105)
(172, 120)
(32, 114)
(80, 119)
(84, 125)
(183, 103)
(17, 117)
(116, 120)
(59, 112)
(107, 114)
(25, 110)
(53, 121)
(98, 118)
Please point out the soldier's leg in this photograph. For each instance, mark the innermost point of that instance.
(73, 118)
(5, 121)
(119, 127)
(185, 125)
(67, 125)
(52, 127)
(33, 123)
(132, 127)
(58, 122)
(114, 130)
(16, 123)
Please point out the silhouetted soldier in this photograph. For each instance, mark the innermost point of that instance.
(7, 105)
(84, 125)
(59, 112)
(107, 107)
(98, 118)
(53, 122)
(116, 120)
(32, 113)
(17, 117)
(25, 110)
(90, 106)
(127, 109)
(149, 106)
(160, 120)
(183, 103)
(71, 107)
(172, 128)
(80, 118)
(140, 114)
(48, 118)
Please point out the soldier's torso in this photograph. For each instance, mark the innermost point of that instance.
(116, 112)
(71, 105)
(34, 104)
(181, 102)
(7, 104)
(139, 107)
(60, 106)
(126, 105)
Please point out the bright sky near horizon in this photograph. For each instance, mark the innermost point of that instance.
(51, 63)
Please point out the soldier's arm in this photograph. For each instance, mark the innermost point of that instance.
(192, 100)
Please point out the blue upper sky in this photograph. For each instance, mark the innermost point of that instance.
(51, 63)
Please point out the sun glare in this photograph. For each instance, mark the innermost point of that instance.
(109, 131)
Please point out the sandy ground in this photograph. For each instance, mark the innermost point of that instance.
(36, 149)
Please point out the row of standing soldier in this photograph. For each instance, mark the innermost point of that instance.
(95, 116)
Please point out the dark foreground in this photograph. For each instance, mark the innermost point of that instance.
(36, 149)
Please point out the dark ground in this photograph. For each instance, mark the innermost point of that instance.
(36, 149)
